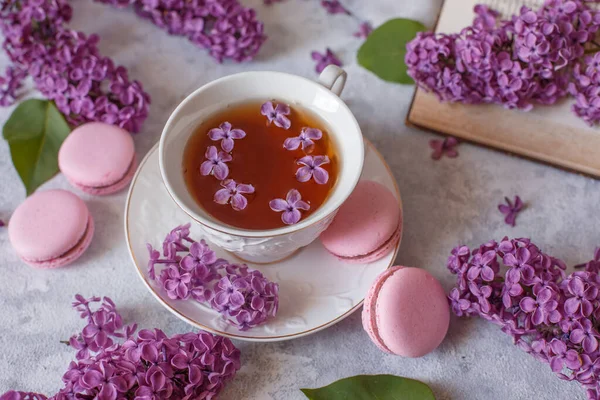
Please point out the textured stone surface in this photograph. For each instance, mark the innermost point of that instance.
(446, 203)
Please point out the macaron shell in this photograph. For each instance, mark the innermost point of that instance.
(47, 225)
(70, 255)
(412, 312)
(368, 313)
(378, 254)
(96, 154)
(365, 222)
(115, 187)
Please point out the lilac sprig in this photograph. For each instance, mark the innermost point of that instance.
(67, 67)
(244, 297)
(549, 314)
(526, 60)
(140, 365)
(224, 27)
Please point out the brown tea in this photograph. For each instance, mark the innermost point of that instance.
(246, 170)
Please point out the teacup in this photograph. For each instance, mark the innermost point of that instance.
(322, 98)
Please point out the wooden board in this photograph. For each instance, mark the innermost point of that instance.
(551, 134)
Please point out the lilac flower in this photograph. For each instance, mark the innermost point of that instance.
(305, 139)
(482, 294)
(334, 7)
(582, 296)
(215, 163)
(586, 334)
(277, 114)
(441, 147)
(459, 256)
(290, 207)
(225, 134)
(200, 256)
(10, 84)
(312, 169)
(364, 30)
(511, 210)
(562, 356)
(323, 60)
(228, 293)
(176, 283)
(459, 305)
(481, 266)
(520, 269)
(233, 193)
(539, 306)
(510, 291)
(98, 331)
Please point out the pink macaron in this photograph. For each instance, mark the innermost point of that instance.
(406, 312)
(51, 229)
(367, 227)
(98, 158)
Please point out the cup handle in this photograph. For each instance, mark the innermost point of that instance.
(333, 78)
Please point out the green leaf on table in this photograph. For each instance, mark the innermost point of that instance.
(383, 51)
(372, 387)
(34, 131)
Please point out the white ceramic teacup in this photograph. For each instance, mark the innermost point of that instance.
(264, 246)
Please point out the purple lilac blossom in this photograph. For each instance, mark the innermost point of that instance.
(305, 139)
(549, 314)
(290, 207)
(323, 60)
(441, 147)
(244, 297)
(233, 193)
(511, 210)
(225, 134)
(529, 59)
(67, 67)
(145, 364)
(311, 168)
(277, 114)
(364, 30)
(215, 163)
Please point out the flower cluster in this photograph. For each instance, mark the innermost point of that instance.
(526, 60)
(551, 315)
(224, 27)
(115, 362)
(67, 66)
(243, 296)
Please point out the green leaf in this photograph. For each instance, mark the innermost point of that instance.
(383, 51)
(372, 387)
(34, 132)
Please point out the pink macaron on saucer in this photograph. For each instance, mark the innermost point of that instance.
(98, 158)
(51, 229)
(367, 227)
(406, 312)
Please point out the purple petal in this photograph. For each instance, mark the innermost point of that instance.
(221, 171)
(195, 375)
(238, 202)
(292, 143)
(292, 197)
(313, 133)
(236, 300)
(302, 205)
(571, 305)
(278, 205)
(216, 134)
(227, 144)
(108, 392)
(282, 121)
(590, 344)
(283, 109)
(321, 176)
(266, 109)
(244, 188)
(291, 217)
(320, 160)
(225, 157)
(237, 134)
(225, 127)
(577, 336)
(576, 286)
(211, 153)
(303, 174)
(222, 196)
(538, 317)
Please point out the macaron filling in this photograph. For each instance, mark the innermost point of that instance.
(395, 236)
(75, 247)
(127, 172)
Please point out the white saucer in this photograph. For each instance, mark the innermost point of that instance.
(316, 289)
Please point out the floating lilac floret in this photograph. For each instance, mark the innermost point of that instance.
(323, 60)
(277, 114)
(526, 292)
(244, 297)
(441, 147)
(225, 134)
(511, 210)
(305, 139)
(290, 207)
(312, 169)
(114, 361)
(215, 163)
(233, 193)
